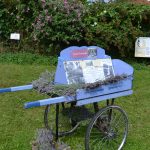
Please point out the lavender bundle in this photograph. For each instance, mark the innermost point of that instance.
(45, 84)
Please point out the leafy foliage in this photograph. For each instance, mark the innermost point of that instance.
(116, 26)
(50, 25)
(4, 21)
(59, 23)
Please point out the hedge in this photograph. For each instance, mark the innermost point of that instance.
(116, 26)
(48, 26)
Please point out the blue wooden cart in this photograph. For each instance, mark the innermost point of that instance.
(108, 127)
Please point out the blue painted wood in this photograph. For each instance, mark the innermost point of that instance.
(21, 88)
(121, 88)
(32, 104)
(122, 85)
(103, 97)
(80, 102)
(48, 101)
(17, 88)
(66, 55)
(60, 76)
(4, 90)
(121, 67)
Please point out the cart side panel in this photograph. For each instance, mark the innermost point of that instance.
(121, 67)
(103, 97)
(60, 75)
(123, 85)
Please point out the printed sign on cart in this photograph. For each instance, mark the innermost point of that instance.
(88, 71)
(142, 47)
(84, 53)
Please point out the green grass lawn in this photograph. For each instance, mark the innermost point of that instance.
(18, 126)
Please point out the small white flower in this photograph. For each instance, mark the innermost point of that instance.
(95, 23)
(104, 11)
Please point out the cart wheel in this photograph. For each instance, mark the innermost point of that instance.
(66, 125)
(107, 130)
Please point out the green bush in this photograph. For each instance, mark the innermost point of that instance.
(17, 16)
(59, 23)
(47, 26)
(116, 26)
(4, 22)
(50, 24)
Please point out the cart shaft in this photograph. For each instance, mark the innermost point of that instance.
(17, 88)
(80, 102)
(49, 101)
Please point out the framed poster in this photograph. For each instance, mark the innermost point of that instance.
(88, 71)
(142, 47)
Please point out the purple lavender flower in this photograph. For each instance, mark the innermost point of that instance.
(48, 19)
(43, 3)
(46, 11)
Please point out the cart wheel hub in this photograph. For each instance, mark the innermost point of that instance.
(111, 135)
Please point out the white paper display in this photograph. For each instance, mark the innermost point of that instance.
(142, 47)
(15, 36)
(88, 71)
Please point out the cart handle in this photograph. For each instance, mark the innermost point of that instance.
(16, 88)
(49, 101)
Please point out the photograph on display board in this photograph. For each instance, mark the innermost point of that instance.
(74, 72)
(92, 52)
(88, 71)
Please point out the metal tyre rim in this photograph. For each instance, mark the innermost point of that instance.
(108, 129)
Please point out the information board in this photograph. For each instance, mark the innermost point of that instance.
(88, 71)
(142, 47)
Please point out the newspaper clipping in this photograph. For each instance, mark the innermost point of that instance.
(88, 71)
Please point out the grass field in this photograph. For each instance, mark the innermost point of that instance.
(18, 126)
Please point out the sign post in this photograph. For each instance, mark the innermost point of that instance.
(15, 38)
